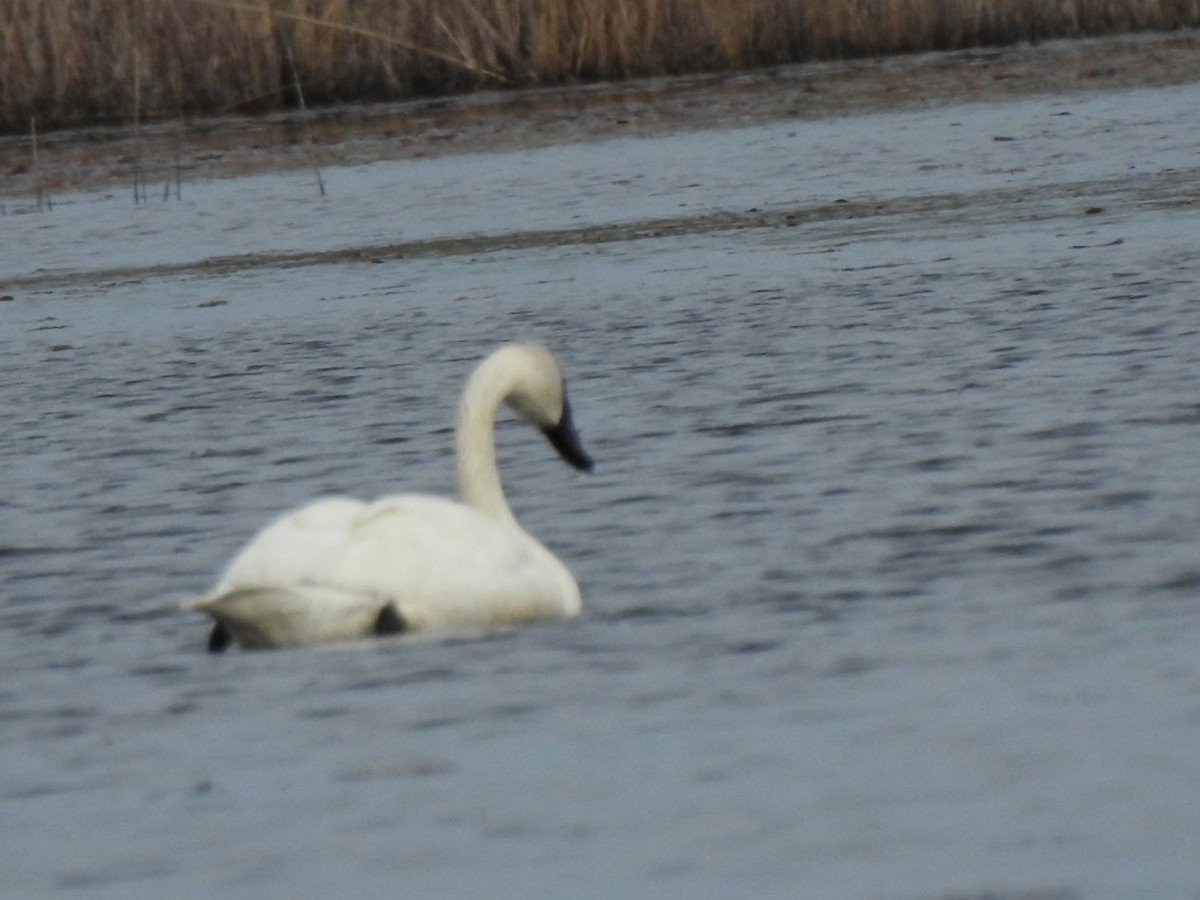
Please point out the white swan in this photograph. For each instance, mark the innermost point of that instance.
(339, 569)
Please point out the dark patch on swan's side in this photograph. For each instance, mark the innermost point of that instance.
(219, 639)
(389, 621)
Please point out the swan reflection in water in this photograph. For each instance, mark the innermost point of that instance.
(341, 569)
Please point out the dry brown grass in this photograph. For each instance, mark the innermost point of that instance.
(71, 62)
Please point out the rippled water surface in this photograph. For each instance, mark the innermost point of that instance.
(890, 558)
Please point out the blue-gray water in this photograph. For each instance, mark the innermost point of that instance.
(889, 561)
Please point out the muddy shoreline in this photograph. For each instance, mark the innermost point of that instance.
(1160, 191)
(181, 151)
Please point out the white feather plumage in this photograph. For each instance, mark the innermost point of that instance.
(329, 570)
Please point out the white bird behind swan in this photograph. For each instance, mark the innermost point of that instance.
(340, 569)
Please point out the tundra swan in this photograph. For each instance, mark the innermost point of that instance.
(339, 569)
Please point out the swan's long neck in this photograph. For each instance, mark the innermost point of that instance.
(475, 451)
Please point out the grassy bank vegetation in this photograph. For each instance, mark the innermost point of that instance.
(73, 62)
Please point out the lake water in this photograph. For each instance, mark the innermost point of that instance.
(889, 562)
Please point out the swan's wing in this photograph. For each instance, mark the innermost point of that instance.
(446, 565)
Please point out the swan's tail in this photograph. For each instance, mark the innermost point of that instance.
(262, 617)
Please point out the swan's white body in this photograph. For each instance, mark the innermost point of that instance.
(339, 569)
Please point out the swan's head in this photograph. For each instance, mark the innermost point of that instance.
(536, 391)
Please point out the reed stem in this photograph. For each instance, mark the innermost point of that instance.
(285, 44)
(43, 195)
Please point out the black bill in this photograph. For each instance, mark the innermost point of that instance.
(566, 440)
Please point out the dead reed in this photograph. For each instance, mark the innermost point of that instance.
(74, 62)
